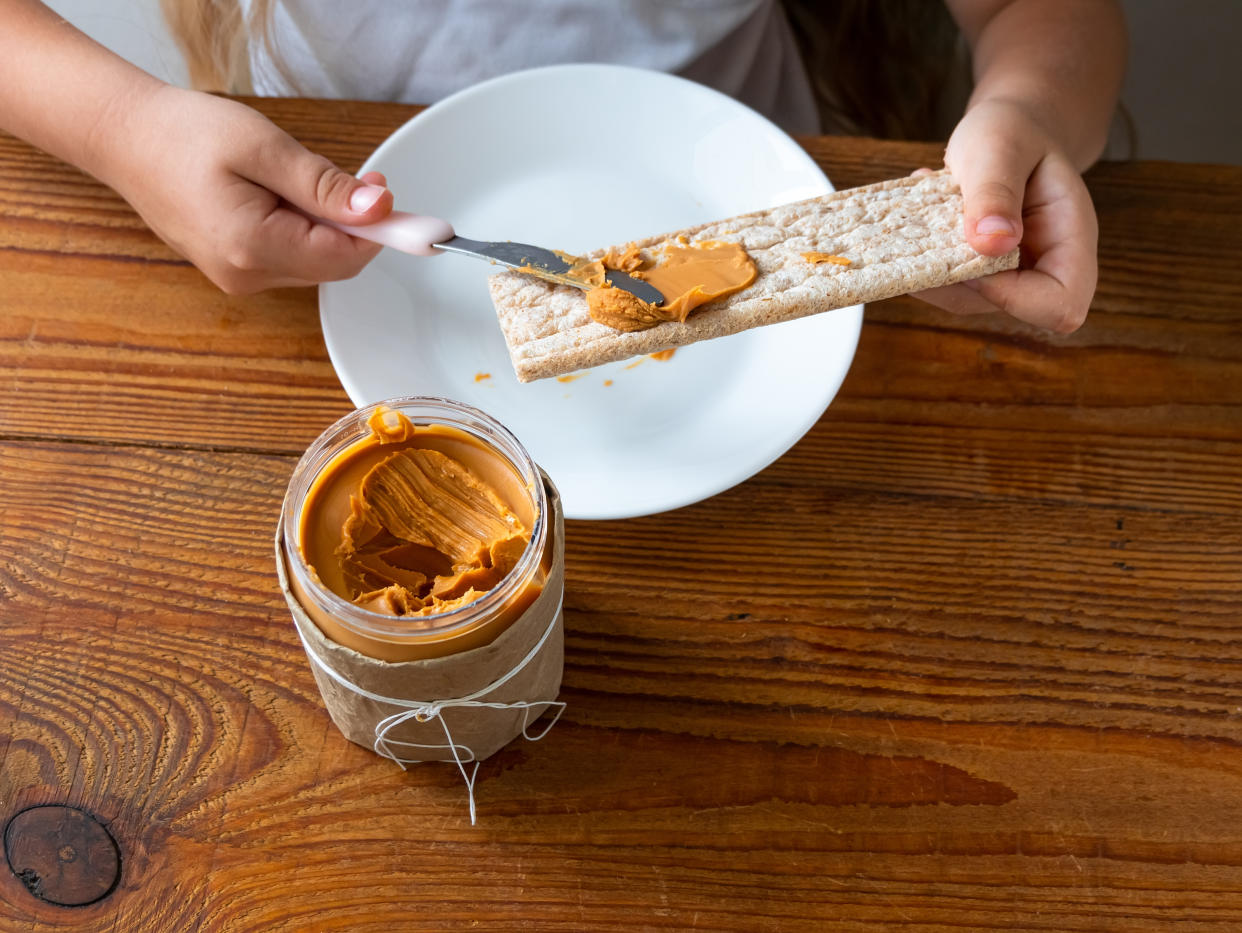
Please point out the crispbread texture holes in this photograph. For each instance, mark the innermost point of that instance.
(899, 236)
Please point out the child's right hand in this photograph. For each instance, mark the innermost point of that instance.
(216, 181)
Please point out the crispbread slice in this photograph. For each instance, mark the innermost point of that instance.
(900, 236)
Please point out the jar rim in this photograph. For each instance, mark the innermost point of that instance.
(422, 411)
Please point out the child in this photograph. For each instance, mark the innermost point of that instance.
(211, 176)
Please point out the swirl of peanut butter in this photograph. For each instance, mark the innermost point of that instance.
(687, 274)
(424, 533)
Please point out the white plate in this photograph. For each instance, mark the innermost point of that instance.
(575, 157)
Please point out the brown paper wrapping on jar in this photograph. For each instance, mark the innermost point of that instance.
(442, 697)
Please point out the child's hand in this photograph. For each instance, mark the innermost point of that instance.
(219, 182)
(1020, 189)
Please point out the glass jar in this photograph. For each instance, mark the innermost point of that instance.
(333, 466)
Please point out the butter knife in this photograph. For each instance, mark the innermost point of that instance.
(422, 235)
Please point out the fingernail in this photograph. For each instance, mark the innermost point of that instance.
(994, 225)
(364, 198)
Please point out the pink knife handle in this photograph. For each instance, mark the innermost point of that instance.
(416, 234)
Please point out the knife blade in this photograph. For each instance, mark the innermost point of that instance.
(422, 235)
(546, 264)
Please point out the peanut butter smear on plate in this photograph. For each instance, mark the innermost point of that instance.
(687, 274)
(426, 530)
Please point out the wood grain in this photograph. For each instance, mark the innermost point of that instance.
(966, 658)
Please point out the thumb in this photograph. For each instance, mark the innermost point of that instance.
(994, 219)
(993, 182)
(993, 213)
(313, 184)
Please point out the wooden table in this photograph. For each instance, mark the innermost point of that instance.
(969, 657)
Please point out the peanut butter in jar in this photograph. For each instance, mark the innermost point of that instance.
(419, 530)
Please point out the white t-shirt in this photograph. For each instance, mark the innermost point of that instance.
(419, 51)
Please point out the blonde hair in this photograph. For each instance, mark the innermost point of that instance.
(214, 38)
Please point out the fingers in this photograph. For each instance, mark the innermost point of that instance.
(281, 244)
(1054, 288)
(285, 248)
(1018, 190)
(224, 189)
(1056, 291)
(312, 183)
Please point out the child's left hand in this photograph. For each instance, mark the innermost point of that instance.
(1021, 190)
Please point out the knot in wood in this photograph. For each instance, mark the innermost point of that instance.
(62, 855)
